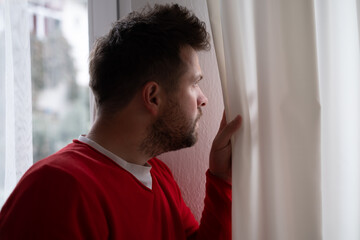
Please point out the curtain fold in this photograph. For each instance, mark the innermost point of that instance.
(15, 95)
(339, 64)
(270, 76)
(235, 50)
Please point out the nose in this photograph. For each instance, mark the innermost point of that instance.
(202, 99)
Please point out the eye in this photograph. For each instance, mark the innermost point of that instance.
(197, 80)
(196, 83)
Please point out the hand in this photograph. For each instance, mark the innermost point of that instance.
(220, 153)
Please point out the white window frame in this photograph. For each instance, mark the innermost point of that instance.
(101, 15)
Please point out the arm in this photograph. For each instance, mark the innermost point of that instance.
(216, 218)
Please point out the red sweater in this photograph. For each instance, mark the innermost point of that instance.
(79, 193)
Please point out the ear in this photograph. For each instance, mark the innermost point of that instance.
(151, 96)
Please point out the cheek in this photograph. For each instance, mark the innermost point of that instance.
(189, 104)
(193, 105)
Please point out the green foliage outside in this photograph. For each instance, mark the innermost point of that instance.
(51, 67)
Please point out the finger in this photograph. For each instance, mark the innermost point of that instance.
(223, 122)
(225, 136)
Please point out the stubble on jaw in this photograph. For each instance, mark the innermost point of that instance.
(171, 131)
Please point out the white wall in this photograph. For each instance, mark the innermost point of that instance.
(189, 165)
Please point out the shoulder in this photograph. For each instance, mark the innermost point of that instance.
(158, 164)
(76, 159)
(160, 168)
(40, 188)
(56, 167)
(65, 176)
(164, 177)
(46, 180)
(71, 169)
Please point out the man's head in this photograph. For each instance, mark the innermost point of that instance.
(176, 126)
(145, 74)
(143, 47)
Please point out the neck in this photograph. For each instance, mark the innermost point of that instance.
(122, 136)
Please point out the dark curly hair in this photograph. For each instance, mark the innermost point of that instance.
(145, 46)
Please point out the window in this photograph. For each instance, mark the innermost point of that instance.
(59, 70)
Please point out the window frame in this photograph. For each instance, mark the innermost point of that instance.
(101, 15)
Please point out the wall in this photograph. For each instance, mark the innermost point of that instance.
(189, 165)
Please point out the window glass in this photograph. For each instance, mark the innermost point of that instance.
(59, 71)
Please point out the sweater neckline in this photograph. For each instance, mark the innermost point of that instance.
(140, 172)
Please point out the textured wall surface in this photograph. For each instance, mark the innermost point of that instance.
(189, 165)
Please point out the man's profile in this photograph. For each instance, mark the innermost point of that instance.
(108, 184)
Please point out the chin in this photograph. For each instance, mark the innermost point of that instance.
(193, 138)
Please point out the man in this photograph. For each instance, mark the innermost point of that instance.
(144, 75)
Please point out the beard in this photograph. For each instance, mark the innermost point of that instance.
(171, 131)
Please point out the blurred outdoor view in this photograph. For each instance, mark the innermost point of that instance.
(59, 71)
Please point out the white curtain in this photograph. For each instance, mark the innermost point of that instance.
(15, 95)
(339, 64)
(291, 69)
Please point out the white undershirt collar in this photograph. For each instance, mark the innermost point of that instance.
(141, 173)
